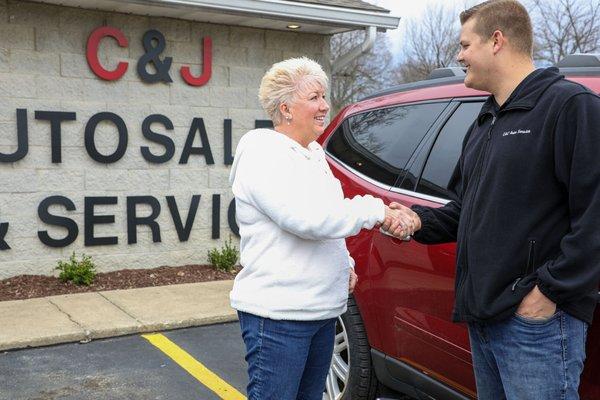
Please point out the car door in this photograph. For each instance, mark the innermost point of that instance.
(368, 153)
(414, 282)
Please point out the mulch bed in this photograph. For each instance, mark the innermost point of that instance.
(30, 286)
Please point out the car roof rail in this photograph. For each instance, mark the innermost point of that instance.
(586, 64)
(437, 77)
(581, 64)
(447, 72)
(581, 60)
(416, 85)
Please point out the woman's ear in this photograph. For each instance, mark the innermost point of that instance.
(285, 111)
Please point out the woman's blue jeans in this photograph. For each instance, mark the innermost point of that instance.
(287, 360)
(524, 359)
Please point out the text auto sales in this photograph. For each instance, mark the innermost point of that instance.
(55, 119)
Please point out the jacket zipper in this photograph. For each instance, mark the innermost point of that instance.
(480, 162)
(468, 224)
(529, 268)
(530, 258)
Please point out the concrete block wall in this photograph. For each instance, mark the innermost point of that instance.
(43, 68)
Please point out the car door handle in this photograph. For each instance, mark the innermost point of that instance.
(404, 239)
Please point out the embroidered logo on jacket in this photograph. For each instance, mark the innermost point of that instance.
(517, 132)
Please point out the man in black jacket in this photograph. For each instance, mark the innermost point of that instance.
(525, 213)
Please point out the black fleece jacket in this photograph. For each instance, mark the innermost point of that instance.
(526, 202)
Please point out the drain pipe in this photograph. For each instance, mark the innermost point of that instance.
(339, 63)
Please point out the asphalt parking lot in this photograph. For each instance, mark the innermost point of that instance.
(205, 363)
(131, 367)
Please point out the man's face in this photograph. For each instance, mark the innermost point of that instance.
(476, 54)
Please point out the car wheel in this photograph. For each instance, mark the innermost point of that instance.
(351, 374)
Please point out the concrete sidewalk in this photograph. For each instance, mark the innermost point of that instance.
(87, 316)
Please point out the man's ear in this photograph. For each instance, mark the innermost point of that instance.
(498, 41)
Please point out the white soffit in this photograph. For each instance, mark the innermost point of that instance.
(268, 14)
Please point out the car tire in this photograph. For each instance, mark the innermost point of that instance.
(353, 380)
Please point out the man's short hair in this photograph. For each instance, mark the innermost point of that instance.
(507, 16)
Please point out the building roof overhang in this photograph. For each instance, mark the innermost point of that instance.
(267, 14)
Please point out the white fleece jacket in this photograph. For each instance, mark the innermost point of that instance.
(293, 219)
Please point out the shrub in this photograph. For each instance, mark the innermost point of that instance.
(79, 272)
(225, 258)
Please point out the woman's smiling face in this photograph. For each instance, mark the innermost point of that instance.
(308, 111)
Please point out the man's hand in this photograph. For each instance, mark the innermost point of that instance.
(536, 306)
(353, 280)
(405, 223)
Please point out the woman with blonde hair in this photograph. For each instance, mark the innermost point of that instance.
(293, 219)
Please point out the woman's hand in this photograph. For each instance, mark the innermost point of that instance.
(400, 221)
(353, 280)
(407, 222)
(392, 217)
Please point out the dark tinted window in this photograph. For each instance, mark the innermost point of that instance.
(378, 143)
(446, 151)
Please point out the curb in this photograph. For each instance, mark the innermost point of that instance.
(99, 315)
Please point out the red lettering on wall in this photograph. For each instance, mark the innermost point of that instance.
(206, 66)
(92, 52)
(99, 33)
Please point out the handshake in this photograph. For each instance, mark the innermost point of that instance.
(400, 221)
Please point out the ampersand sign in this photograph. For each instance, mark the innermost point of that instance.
(151, 56)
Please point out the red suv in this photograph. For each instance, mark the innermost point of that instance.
(401, 145)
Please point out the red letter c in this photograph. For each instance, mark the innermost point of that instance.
(92, 52)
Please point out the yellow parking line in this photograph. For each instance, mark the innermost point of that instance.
(194, 367)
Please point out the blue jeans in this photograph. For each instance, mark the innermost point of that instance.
(287, 360)
(525, 359)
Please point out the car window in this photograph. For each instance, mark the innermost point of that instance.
(446, 151)
(378, 143)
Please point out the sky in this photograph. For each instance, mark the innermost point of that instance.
(411, 9)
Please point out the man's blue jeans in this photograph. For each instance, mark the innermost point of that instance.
(287, 360)
(525, 359)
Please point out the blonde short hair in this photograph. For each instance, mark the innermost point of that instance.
(282, 83)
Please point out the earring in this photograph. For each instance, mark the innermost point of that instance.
(289, 119)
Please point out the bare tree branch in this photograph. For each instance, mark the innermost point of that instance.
(431, 42)
(366, 74)
(563, 27)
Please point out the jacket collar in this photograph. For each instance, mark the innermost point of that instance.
(306, 152)
(526, 94)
